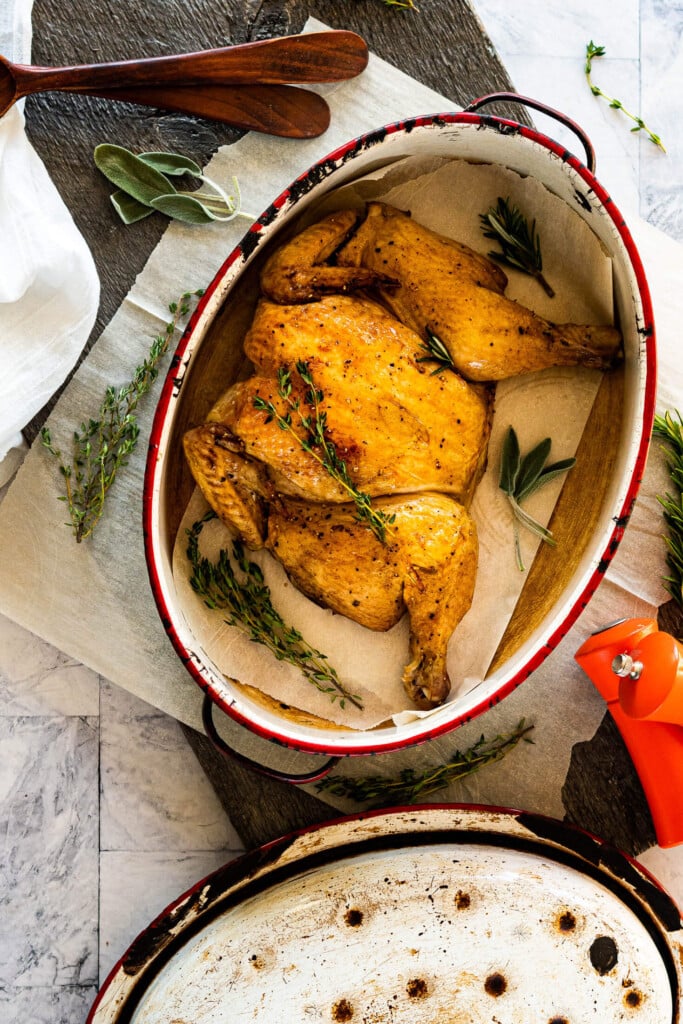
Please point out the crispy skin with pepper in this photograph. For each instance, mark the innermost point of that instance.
(398, 428)
(414, 441)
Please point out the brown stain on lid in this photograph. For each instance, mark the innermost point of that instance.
(342, 1011)
(496, 984)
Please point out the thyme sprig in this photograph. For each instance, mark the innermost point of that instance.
(316, 441)
(639, 125)
(669, 428)
(519, 240)
(522, 476)
(102, 446)
(247, 600)
(411, 785)
(436, 352)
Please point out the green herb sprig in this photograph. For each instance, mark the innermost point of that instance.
(247, 600)
(404, 5)
(436, 352)
(411, 785)
(593, 51)
(519, 240)
(102, 446)
(144, 185)
(522, 476)
(317, 442)
(669, 428)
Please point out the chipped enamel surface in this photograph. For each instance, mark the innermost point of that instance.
(431, 915)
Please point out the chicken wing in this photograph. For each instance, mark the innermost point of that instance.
(297, 271)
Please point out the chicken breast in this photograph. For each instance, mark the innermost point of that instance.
(397, 427)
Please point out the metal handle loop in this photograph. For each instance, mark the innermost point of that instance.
(271, 773)
(513, 97)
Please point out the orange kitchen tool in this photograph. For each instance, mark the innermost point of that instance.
(639, 672)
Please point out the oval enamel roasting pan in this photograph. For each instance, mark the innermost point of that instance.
(598, 495)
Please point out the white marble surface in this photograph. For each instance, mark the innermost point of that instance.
(105, 815)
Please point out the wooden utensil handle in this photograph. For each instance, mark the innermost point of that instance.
(311, 57)
(282, 110)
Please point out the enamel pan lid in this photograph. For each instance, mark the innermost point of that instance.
(431, 914)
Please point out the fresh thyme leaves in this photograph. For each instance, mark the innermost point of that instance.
(246, 599)
(517, 238)
(436, 352)
(102, 446)
(317, 442)
(411, 786)
(669, 428)
(521, 477)
(639, 125)
(144, 185)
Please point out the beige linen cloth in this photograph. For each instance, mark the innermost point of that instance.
(93, 600)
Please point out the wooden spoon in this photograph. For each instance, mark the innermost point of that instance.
(311, 57)
(283, 110)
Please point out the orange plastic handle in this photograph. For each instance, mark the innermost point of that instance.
(655, 746)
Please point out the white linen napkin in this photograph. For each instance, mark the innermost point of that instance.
(49, 288)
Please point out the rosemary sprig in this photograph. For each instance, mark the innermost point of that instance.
(517, 238)
(103, 445)
(639, 125)
(411, 786)
(249, 606)
(317, 442)
(521, 477)
(670, 430)
(436, 352)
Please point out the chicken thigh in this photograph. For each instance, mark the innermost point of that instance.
(439, 286)
(427, 567)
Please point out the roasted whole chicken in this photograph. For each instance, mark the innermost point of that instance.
(351, 300)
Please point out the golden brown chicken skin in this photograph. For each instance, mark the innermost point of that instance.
(398, 427)
(427, 567)
(449, 290)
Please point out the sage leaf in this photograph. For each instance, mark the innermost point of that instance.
(509, 462)
(171, 163)
(548, 474)
(130, 173)
(531, 466)
(520, 477)
(183, 208)
(129, 210)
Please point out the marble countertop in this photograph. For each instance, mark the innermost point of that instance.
(106, 815)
